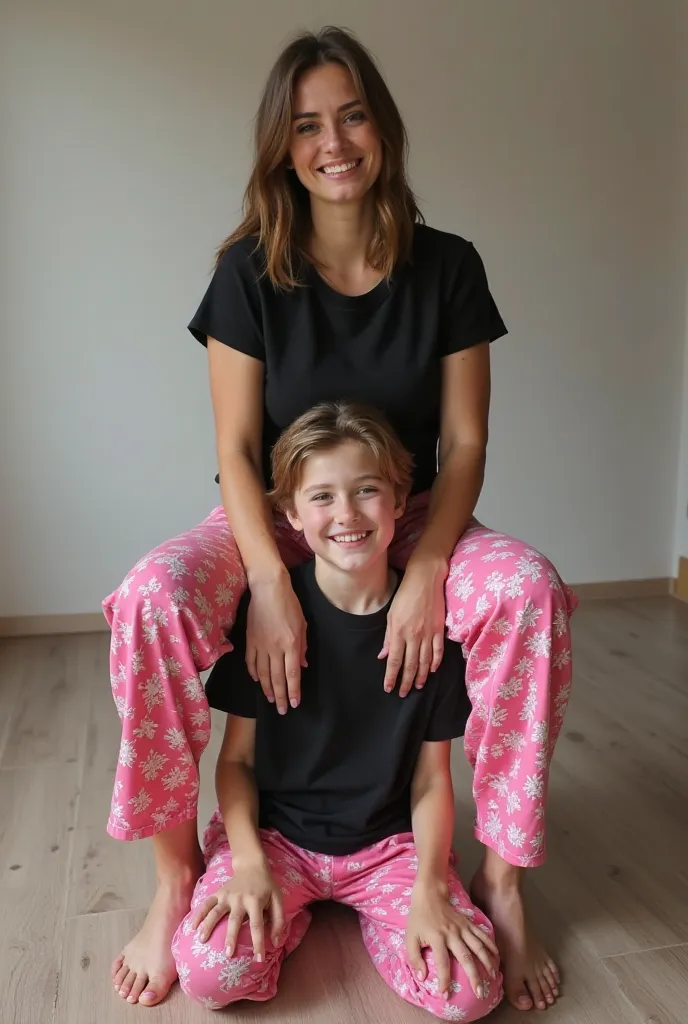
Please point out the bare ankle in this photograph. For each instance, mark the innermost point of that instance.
(496, 873)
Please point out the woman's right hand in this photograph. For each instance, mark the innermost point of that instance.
(276, 641)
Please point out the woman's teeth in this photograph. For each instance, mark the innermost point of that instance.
(340, 168)
(349, 538)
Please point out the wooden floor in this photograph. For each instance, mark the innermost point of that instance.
(612, 901)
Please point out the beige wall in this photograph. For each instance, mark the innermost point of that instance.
(545, 131)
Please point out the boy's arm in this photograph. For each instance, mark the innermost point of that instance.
(432, 811)
(237, 793)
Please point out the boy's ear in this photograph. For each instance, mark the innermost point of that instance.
(293, 519)
(400, 506)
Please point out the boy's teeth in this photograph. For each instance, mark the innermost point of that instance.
(340, 168)
(349, 538)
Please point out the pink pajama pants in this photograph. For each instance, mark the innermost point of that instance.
(505, 604)
(376, 882)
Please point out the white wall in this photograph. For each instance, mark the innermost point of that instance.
(545, 132)
(681, 531)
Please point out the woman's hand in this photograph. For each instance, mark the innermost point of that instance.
(433, 922)
(415, 628)
(250, 894)
(276, 641)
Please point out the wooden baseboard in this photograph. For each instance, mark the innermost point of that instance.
(612, 590)
(616, 590)
(681, 581)
(47, 625)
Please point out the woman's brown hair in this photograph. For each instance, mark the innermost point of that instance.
(276, 204)
(325, 427)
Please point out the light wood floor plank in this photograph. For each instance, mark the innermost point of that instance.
(36, 814)
(656, 982)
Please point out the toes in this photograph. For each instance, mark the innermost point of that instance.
(116, 965)
(519, 997)
(536, 992)
(554, 970)
(155, 992)
(546, 989)
(126, 986)
(138, 987)
(120, 976)
(551, 980)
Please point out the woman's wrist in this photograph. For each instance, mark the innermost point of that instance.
(267, 574)
(430, 565)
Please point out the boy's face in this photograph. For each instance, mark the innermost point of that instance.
(347, 511)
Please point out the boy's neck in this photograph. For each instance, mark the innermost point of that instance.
(358, 593)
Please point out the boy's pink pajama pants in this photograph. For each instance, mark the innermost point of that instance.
(376, 882)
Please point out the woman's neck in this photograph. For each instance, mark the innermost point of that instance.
(358, 593)
(340, 237)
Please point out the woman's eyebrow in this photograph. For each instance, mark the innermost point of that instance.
(340, 110)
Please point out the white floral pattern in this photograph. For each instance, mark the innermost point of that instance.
(370, 882)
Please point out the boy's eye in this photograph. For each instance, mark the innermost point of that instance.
(321, 497)
(368, 490)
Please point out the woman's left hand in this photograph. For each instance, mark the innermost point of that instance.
(414, 639)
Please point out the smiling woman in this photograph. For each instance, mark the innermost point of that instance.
(332, 288)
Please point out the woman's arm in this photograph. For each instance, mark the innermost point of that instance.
(236, 388)
(276, 633)
(463, 443)
(415, 624)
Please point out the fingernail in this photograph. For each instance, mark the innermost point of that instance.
(271, 700)
(258, 958)
(419, 975)
(281, 711)
(294, 703)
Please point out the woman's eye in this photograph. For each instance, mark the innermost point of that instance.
(306, 129)
(356, 115)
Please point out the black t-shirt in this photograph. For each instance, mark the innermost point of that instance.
(383, 348)
(334, 775)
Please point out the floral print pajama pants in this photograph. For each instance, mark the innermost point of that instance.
(506, 605)
(376, 882)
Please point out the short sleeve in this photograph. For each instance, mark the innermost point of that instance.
(230, 310)
(470, 313)
(452, 707)
(229, 686)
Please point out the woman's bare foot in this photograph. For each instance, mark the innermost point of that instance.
(145, 970)
(530, 976)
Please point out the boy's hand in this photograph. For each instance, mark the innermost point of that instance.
(251, 894)
(433, 922)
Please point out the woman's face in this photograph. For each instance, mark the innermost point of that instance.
(335, 149)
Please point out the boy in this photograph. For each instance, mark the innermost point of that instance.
(348, 797)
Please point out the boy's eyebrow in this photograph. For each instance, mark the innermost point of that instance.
(329, 487)
(340, 110)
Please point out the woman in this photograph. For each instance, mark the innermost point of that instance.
(331, 288)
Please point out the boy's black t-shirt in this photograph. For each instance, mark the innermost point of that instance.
(384, 348)
(334, 775)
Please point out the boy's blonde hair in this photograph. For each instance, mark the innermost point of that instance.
(323, 428)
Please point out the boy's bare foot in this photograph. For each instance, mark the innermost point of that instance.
(530, 976)
(145, 970)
